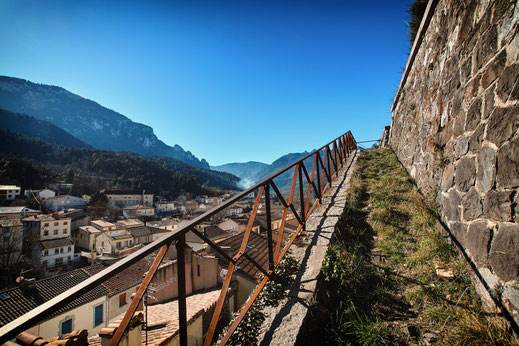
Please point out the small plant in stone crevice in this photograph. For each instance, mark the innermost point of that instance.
(248, 330)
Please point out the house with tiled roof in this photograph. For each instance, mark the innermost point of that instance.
(121, 286)
(52, 253)
(135, 211)
(11, 230)
(65, 202)
(85, 312)
(126, 198)
(247, 272)
(113, 242)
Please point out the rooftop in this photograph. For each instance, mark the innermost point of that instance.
(89, 229)
(137, 207)
(54, 243)
(129, 223)
(126, 192)
(126, 279)
(19, 300)
(102, 223)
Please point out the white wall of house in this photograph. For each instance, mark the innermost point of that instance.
(9, 192)
(54, 229)
(58, 256)
(114, 308)
(64, 202)
(82, 318)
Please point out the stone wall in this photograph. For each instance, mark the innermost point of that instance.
(455, 128)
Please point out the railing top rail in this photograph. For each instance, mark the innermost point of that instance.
(43, 311)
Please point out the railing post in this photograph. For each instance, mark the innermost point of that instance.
(269, 225)
(301, 196)
(319, 178)
(181, 279)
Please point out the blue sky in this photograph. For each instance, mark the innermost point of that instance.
(231, 81)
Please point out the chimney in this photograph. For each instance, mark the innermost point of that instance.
(131, 338)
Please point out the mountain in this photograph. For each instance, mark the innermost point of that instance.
(247, 171)
(39, 129)
(87, 120)
(100, 168)
(253, 172)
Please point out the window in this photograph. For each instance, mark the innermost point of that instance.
(126, 243)
(98, 315)
(68, 249)
(122, 300)
(65, 326)
(65, 222)
(55, 232)
(44, 263)
(118, 244)
(46, 224)
(197, 269)
(64, 231)
(60, 250)
(45, 232)
(56, 223)
(46, 252)
(59, 261)
(56, 251)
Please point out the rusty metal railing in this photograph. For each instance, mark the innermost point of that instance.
(325, 167)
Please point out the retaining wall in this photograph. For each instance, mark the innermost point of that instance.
(455, 128)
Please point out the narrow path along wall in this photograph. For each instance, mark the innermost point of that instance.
(455, 128)
(282, 323)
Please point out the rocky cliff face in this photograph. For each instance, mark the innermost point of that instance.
(90, 122)
(455, 128)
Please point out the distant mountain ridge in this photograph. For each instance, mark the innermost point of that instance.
(39, 129)
(247, 171)
(253, 172)
(87, 120)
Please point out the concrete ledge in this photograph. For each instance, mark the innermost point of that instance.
(282, 323)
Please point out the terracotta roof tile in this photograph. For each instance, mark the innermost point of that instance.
(16, 301)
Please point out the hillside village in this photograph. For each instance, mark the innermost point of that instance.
(48, 250)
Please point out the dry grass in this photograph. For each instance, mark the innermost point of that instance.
(376, 303)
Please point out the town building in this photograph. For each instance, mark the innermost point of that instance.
(85, 237)
(52, 253)
(39, 194)
(19, 212)
(9, 192)
(44, 227)
(125, 198)
(64, 202)
(168, 225)
(135, 211)
(113, 242)
(11, 230)
(103, 225)
(129, 223)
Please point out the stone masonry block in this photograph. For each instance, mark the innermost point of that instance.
(474, 115)
(498, 206)
(504, 252)
(489, 102)
(507, 175)
(502, 125)
(478, 238)
(476, 139)
(451, 202)
(507, 81)
(486, 168)
(465, 173)
(494, 70)
(472, 205)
